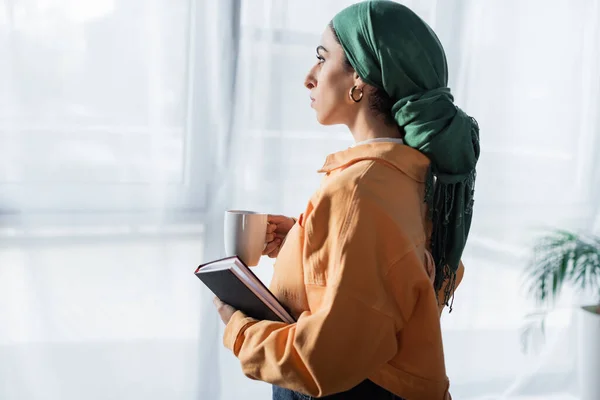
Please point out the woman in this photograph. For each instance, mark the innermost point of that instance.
(369, 264)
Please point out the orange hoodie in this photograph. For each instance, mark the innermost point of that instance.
(353, 271)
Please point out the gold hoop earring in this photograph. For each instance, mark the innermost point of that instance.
(352, 94)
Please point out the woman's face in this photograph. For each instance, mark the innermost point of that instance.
(330, 81)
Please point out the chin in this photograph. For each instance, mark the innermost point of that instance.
(325, 119)
(321, 121)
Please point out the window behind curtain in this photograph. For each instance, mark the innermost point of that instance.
(95, 107)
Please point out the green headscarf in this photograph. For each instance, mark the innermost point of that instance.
(393, 49)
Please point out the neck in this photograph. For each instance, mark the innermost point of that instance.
(368, 126)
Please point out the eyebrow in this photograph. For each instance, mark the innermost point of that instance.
(321, 48)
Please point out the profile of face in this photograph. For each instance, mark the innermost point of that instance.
(330, 81)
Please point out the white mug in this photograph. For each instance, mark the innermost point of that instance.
(245, 233)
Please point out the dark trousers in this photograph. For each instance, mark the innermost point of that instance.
(366, 390)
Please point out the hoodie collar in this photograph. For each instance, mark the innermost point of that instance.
(404, 158)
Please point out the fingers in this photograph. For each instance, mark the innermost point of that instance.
(271, 246)
(274, 250)
(271, 228)
(276, 219)
(273, 219)
(272, 236)
(274, 253)
(218, 303)
(277, 229)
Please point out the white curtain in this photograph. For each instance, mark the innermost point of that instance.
(128, 127)
(113, 120)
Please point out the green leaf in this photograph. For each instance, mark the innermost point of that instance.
(562, 257)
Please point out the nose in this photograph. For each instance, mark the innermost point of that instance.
(310, 81)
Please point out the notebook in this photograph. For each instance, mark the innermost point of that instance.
(235, 284)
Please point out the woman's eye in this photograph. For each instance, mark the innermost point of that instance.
(320, 58)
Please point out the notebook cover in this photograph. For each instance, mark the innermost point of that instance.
(231, 290)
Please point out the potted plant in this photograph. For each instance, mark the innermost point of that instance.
(563, 257)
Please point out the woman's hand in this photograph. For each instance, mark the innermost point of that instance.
(278, 228)
(224, 310)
